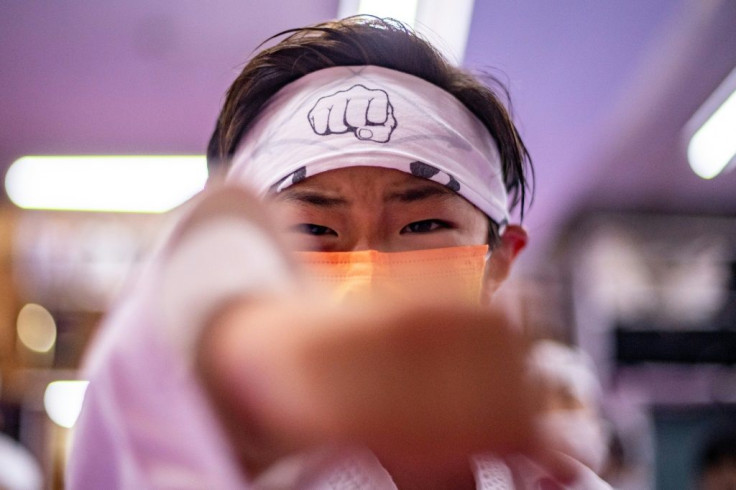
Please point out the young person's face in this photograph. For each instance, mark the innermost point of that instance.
(361, 208)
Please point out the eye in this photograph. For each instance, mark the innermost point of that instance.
(312, 229)
(424, 226)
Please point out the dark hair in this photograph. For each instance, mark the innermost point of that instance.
(366, 40)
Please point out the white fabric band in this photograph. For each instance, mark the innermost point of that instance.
(351, 116)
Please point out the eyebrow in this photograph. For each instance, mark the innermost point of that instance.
(314, 198)
(419, 194)
(413, 194)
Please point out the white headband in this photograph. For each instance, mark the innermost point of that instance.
(350, 116)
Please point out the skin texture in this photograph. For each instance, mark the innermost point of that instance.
(364, 208)
(423, 385)
(367, 208)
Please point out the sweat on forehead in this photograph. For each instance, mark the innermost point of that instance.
(371, 116)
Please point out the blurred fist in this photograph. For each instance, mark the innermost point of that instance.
(432, 382)
(367, 113)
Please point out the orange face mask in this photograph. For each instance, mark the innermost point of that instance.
(454, 273)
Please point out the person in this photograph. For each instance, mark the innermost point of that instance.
(716, 461)
(312, 320)
(572, 402)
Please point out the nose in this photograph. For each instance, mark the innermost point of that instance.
(367, 234)
(368, 229)
(368, 242)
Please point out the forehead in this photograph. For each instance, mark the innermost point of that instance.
(363, 179)
(378, 189)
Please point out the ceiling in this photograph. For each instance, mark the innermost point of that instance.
(600, 90)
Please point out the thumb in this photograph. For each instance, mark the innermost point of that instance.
(380, 133)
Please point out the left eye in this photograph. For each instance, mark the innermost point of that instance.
(424, 226)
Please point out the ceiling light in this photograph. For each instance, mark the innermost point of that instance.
(118, 183)
(445, 24)
(63, 401)
(403, 10)
(36, 328)
(712, 131)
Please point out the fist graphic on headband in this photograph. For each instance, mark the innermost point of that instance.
(367, 113)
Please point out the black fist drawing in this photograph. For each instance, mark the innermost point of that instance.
(367, 113)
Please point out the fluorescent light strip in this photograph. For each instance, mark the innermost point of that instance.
(403, 10)
(130, 183)
(445, 24)
(712, 147)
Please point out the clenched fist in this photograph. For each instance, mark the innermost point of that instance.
(367, 113)
(430, 382)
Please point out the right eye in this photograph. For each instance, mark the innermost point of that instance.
(313, 230)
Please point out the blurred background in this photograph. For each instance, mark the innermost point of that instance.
(632, 255)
